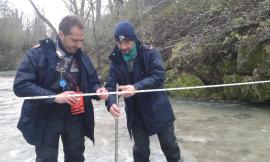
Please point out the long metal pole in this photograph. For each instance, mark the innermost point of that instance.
(116, 128)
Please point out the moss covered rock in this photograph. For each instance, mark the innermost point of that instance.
(227, 66)
(187, 80)
(177, 59)
(264, 66)
(249, 58)
(255, 92)
(214, 43)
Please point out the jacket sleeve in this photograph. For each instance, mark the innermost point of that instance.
(26, 81)
(96, 84)
(155, 73)
(93, 78)
(111, 86)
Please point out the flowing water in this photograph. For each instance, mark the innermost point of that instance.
(206, 132)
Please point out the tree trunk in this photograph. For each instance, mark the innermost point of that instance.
(139, 7)
(98, 10)
(118, 4)
(110, 6)
(44, 19)
(82, 9)
(98, 57)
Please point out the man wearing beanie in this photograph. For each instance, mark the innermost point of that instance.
(137, 67)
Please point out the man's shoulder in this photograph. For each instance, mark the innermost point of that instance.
(148, 46)
(47, 44)
(86, 59)
(43, 43)
(34, 51)
(150, 50)
(84, 55)
(36, 45)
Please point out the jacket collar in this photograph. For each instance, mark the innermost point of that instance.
(59, 44)
(49, 49)
(50, 45)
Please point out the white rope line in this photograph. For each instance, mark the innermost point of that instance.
(151, 90)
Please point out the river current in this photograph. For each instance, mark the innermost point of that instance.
(206, 132)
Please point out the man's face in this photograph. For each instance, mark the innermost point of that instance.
(125, 46)
(73, 41)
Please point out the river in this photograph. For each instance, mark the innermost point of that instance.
(206, 132)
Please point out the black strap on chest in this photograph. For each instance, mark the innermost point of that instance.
(63, 67)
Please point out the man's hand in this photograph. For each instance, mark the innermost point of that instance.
(102, 93)
(64, 98)
(127, 90)
(115, 111)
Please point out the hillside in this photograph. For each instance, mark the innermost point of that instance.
(213, 42)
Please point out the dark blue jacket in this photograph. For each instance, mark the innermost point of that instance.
(148, 73)
(35, 76)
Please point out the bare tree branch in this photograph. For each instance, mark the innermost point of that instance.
(95, 36)
(118, 4)
(82, 8)
(88, 13)
(91, 7)
(98, 10)
(69, 7)
(74, 3)
(110, 5)
(44, 19)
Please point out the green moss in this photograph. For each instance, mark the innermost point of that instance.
(268, 3)
(238, 21)
(178, 47)
(104, 72)
(249, 58)
(227, 67)
(187, 80)
(232, 93)
(171, 75)
(264, 66)
(232, 37)
(267, 48)
(264, 25)
(255, 92)
(176, 60)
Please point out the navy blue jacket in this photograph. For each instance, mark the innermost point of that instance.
(148, 73)
(35, 76)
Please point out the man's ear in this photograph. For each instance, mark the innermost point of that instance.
(61, 35)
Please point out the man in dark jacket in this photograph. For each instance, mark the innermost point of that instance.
(136, 67)
(58, 68)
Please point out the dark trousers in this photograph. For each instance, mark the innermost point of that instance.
(167, 140)
(71, 131)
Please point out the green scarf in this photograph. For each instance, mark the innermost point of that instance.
(131, 55)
